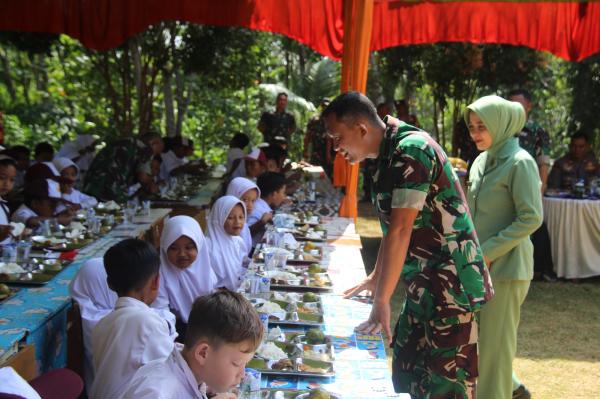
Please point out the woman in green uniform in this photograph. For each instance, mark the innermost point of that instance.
(506, 205)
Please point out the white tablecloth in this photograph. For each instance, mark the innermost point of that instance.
(574, 227)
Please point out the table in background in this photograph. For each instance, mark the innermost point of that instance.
(38, 314)
(574, 227)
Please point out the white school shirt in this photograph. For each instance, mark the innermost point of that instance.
(166, 379)
(23, 214)
(260, 208)
(122, 342)
(77, 197)
(169, 162)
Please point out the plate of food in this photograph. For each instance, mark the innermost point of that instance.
(35, 272)
(310, 233)
(317, 393)
(287, 358)
(60, 244)
(307, 252)
(306, 217)
(291, 309)
(297, 278)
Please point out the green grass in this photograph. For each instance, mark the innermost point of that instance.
(558, 353)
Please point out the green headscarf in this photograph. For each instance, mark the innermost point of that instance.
(502, 118)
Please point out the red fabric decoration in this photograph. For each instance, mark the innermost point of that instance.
(567, 29)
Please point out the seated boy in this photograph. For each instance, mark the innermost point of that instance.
(222, 335)
(272, 193)
(131, 335)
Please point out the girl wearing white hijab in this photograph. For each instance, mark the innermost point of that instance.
(227, 249)
(185, 272)
(248, 192)
(69, 170)
(90, 290)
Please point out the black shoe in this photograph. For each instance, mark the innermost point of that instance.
(521, 393)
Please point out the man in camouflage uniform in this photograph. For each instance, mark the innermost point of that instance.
(117, 167)
(579, 164)
(318, 149)
(429, 242)
(279, 123)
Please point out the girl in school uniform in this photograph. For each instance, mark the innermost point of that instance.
(227, 249)
(69, 171)
(248, 192)
(8, 173)
(185, 272)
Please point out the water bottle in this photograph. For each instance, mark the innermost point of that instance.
(579, 190)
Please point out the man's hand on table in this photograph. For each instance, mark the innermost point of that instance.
(378, 321)
(368, 286)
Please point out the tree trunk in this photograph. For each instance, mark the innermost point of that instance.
(183, 100)
(169, 107)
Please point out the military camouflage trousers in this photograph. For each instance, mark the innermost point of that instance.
(435, 359)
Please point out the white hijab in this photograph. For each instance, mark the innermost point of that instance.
(90, 290)
(227, 252)
(238, 187)
(179, 288)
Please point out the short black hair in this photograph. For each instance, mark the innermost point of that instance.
(270, 182)
(129, 264)
(350, 105)
(282, 93)
(275, 152)
(149, 136)
(43, 148)
(520, 92)
(223, 317)
(580, 135)
(20, 149)
(239, 140)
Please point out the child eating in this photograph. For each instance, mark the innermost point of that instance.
(227, 249)
(248, 192)
(69, 171)
(223, 333)
(272, 194)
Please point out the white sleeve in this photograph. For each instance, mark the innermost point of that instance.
(157, 343)
(147, 387)
(87, 201)
(22, 215)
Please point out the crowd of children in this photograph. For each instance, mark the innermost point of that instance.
(163, 323)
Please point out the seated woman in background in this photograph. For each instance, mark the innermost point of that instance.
(185, 272)
(227, 249)
(248, 192)
(8, 173)
(69, 171)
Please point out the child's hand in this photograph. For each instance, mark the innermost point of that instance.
(5, 230)
(267, 217)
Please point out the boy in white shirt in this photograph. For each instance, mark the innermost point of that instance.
(272, 187)
(132, 335)
(223, 333)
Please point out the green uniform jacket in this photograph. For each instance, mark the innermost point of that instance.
(506, 205)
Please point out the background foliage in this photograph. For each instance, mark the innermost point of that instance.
(208, 83)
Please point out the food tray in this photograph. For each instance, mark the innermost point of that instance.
(37, 273)
(274, 393)
(265, 367)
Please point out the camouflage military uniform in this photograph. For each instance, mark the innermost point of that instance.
(536, 142)
(566, 171)
(277, 124)
(435, 346)
(114, 168)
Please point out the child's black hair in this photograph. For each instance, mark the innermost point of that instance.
(270, 182)
(129, 264)
(43, 148)
(239, 140)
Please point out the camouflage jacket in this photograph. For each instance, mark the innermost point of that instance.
(277, 124)
(566, 171)
(444, 269)
(114, 168)
(536, 142)
(317, 133)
